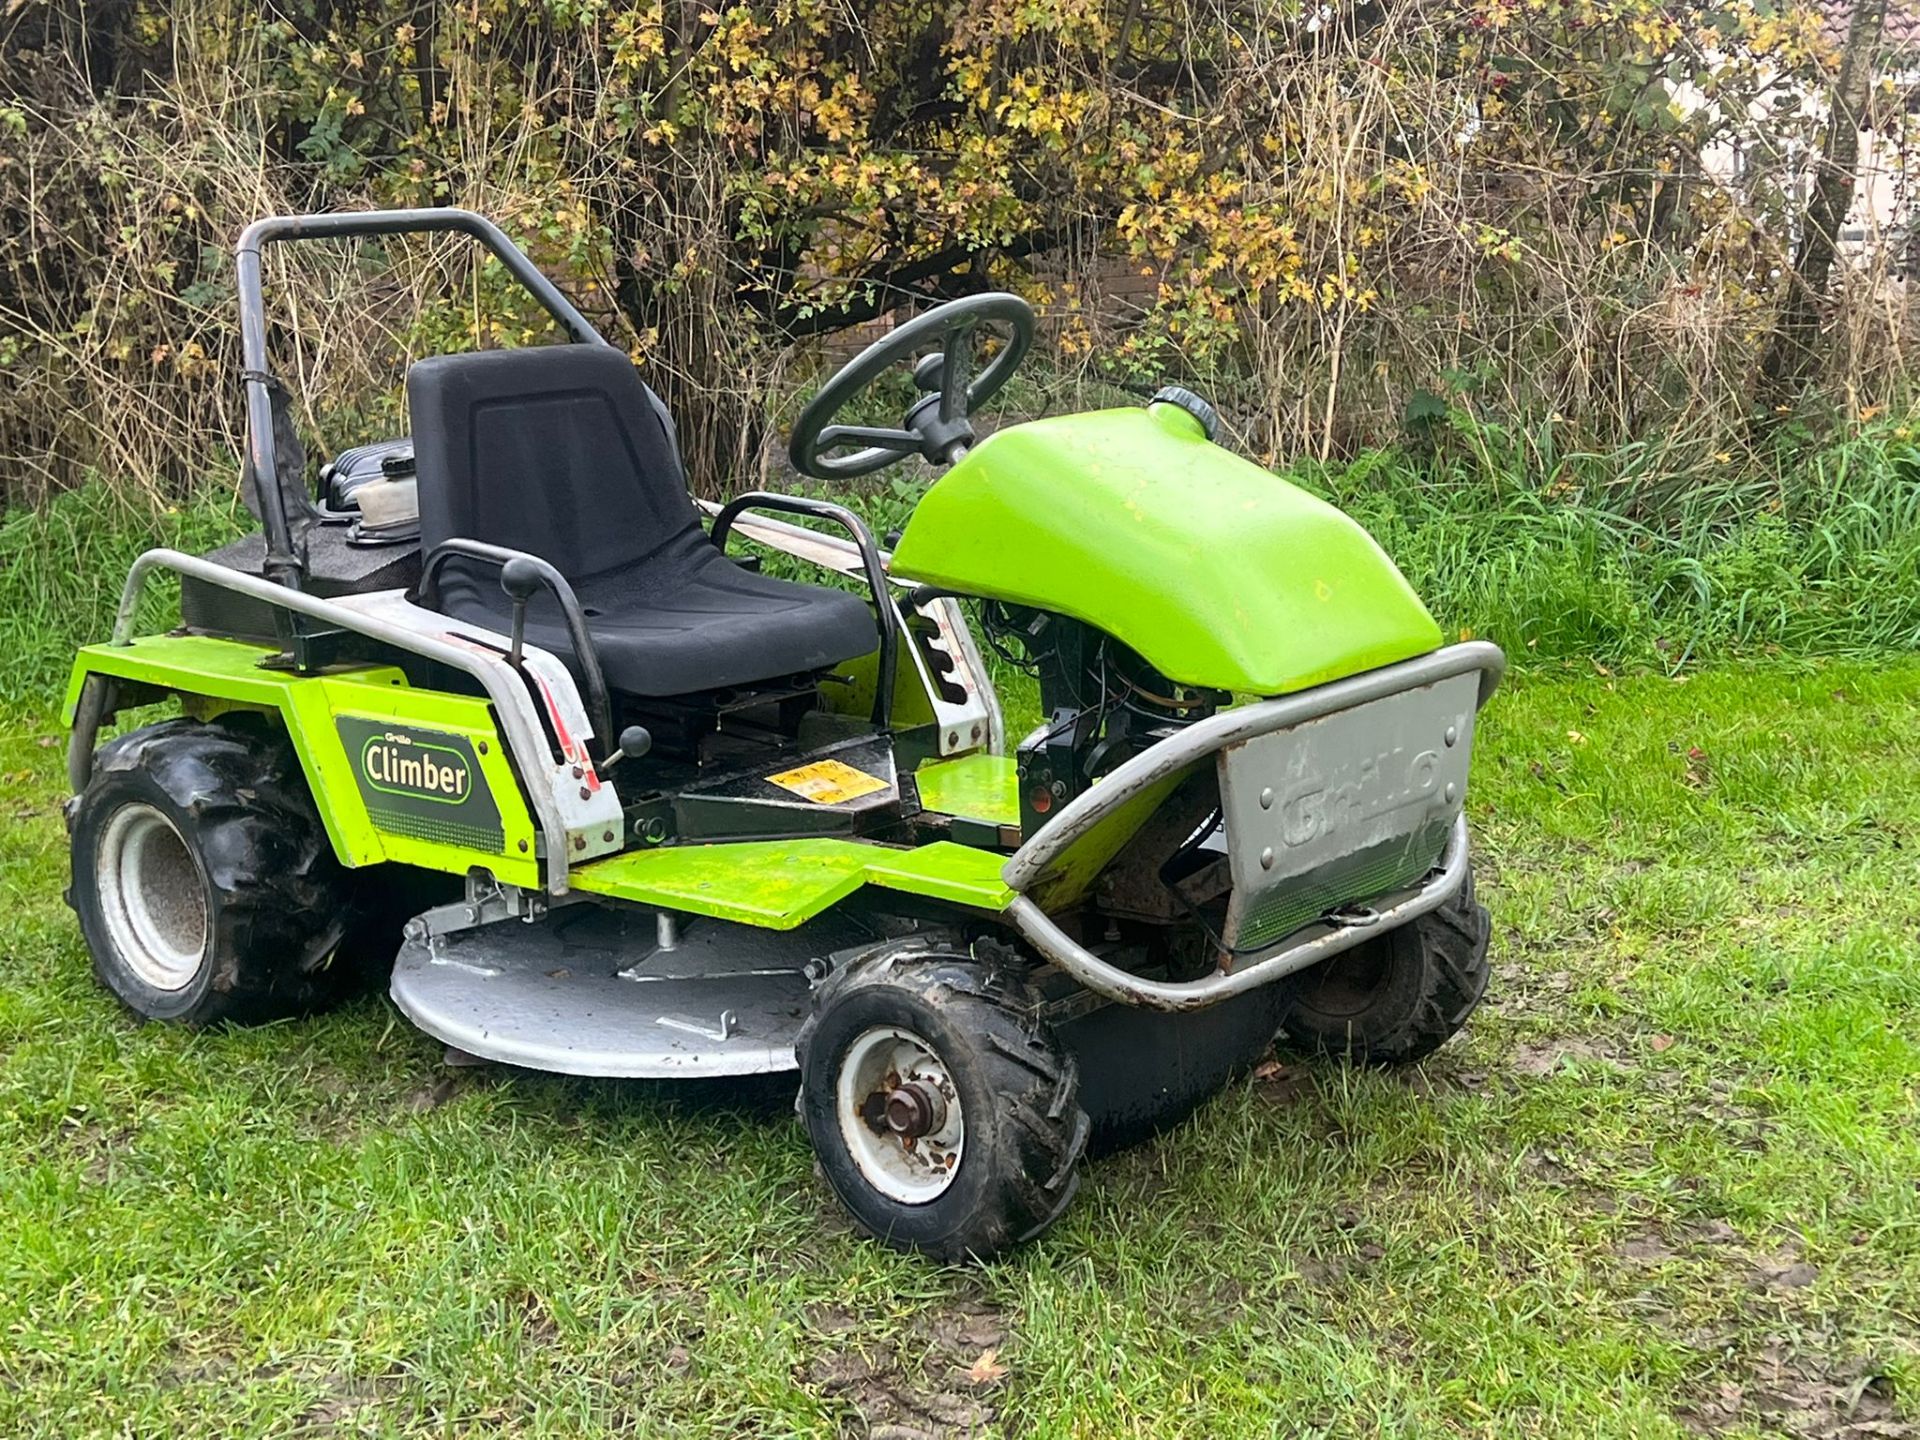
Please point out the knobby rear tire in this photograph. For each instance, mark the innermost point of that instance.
(229, 851)
(1397, 998)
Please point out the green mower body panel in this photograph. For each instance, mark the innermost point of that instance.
(779, 884)
(422, 777)
(401, 775)
(979, 787)
(1216, 572)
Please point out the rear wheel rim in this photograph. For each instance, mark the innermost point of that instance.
(1350, 983)
(900, 1115)
(152, 897)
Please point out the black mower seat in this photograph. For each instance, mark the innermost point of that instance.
(563, 452)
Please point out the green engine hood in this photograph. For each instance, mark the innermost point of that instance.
(1216, 572)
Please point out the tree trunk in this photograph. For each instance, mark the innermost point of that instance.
(1793, 349)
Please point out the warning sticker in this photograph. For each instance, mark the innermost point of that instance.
(828, 782)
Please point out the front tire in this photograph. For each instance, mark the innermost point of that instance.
(1397, 998)
(203, 881)
(944, 1112)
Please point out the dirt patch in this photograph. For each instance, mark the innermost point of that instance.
(1646, 1249)
(99, 1148)
(1541, 990)
(1337, 1268)
(1279, 1083)
(825, 1319)
(433, 1096)
(1798, 1394)
(965, 1330)
(1713, 1232)
(932, 1381)
(345, 1396)
(337, 1410)
(1436, 1080)
(536, 1321)
(1535, 1059)
(1784, 1269)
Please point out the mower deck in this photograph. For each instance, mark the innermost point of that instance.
(592, 990)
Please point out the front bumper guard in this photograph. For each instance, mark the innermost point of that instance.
(1308, 946)
(1305, 947)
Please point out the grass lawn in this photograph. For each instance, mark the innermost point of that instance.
(1666, 1183)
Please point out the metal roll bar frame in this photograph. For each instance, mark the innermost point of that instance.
(284, 565)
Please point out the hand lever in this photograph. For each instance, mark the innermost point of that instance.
(634, 742)
(519, 578)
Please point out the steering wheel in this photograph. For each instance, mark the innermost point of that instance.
(937, 426)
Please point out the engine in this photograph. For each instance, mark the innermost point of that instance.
(1102, 703)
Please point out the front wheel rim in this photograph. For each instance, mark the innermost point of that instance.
(152, 897)
(900, 1115)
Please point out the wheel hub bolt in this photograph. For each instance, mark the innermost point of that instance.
(914, 1110)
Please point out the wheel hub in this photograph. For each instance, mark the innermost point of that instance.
(900, 1115)
(152, 897)
(915, 1109)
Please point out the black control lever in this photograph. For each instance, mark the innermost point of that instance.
(635, 741)
(519, 578)
(520, 575)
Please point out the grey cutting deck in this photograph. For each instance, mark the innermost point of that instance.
(589, 992)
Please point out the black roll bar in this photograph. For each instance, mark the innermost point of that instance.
(886, 616)
(283, 564)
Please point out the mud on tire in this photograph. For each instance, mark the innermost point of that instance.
(1013, 1085)
(1397, 998)
(203, 881)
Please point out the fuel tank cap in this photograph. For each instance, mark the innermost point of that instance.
(1208, 417)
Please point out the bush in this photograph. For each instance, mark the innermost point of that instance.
(1339, 219)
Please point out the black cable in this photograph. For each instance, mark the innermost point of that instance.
(1187, 847)
(997, 627)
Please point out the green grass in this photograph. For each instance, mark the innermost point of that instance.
(61, 571)
(1653, 554)
(1650, 555)
(1665, 1182)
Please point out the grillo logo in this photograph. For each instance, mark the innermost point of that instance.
(401, 765)
(1373, 786)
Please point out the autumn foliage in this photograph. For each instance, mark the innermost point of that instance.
(1344, 220)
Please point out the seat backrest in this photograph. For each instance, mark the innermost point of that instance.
(560, 450)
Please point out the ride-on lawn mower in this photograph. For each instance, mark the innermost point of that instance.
(651, 811)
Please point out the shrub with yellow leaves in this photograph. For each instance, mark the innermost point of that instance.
(1317, 210)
